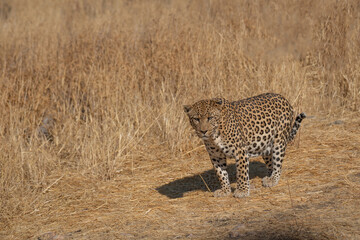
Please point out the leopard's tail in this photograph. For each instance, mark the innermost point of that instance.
(296, 126)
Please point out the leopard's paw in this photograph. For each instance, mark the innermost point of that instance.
(221, 193)
(269, 182)
(241, 193)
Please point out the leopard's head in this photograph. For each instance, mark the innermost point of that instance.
(205, 116)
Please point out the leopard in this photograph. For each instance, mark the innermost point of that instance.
(262, 125)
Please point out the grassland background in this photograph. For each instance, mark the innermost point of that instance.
(112, 77)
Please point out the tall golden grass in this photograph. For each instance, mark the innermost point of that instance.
(112, 76)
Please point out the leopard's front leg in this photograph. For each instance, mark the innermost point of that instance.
(242, 175)
(218, 159)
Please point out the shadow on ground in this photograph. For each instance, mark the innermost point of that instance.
(177, 188)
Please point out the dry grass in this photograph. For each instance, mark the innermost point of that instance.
(94, 143)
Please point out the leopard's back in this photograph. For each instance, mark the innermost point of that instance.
(258, 121)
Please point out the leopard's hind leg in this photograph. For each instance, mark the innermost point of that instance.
(277, 157)
(268, 162)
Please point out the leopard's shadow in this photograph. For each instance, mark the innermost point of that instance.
(177, 188)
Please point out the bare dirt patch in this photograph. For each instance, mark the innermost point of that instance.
(317, 198)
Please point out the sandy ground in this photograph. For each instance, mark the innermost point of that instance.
(162, 197)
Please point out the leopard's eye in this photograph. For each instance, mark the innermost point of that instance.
(209, 118)
(196, 120)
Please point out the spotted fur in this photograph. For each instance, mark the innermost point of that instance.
(258, 126)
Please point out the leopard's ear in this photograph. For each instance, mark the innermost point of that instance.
(187, 108)
(219, 101)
